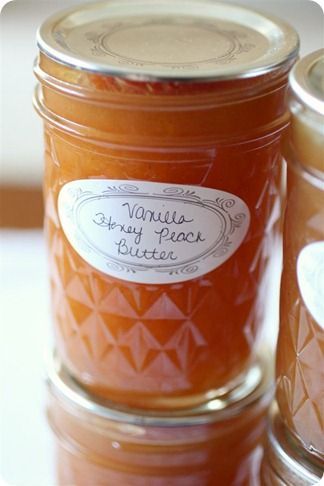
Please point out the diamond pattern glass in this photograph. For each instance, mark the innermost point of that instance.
(153, 345)
(300, 356)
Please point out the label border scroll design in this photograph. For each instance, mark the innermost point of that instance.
(222, 207)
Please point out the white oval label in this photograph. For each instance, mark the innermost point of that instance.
(310, 275)
(150, 232)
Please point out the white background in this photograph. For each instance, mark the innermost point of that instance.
(26, 445)
(21, 150)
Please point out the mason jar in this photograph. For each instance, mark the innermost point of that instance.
(99, 443)
(300, 355)
(163, 125)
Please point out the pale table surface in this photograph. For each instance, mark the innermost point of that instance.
(26, 453)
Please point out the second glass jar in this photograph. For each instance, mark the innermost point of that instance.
(300, 354)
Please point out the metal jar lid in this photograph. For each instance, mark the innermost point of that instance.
(286, 458)
(256, 391)
(192, 40)
(307, 81)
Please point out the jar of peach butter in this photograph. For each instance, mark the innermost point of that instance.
(163, 124)
(284, 463)
(300, 357)
(216, 444)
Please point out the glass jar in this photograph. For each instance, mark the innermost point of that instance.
(300, 356)
(215, 445)
(284, 463)
(162, 174)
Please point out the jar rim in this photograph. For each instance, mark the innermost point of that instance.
(257, 388)
(97, 37)
(307, 81)
(288, 451)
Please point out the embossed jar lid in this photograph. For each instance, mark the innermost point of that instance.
(307, 81)
(168, 40)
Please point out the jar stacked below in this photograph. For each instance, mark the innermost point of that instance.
(162, 192)
(216, 444)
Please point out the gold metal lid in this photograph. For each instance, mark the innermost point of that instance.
(307, 81)
(168, 40)
(257, 390)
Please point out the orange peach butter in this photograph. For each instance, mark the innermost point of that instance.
(170, 345)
